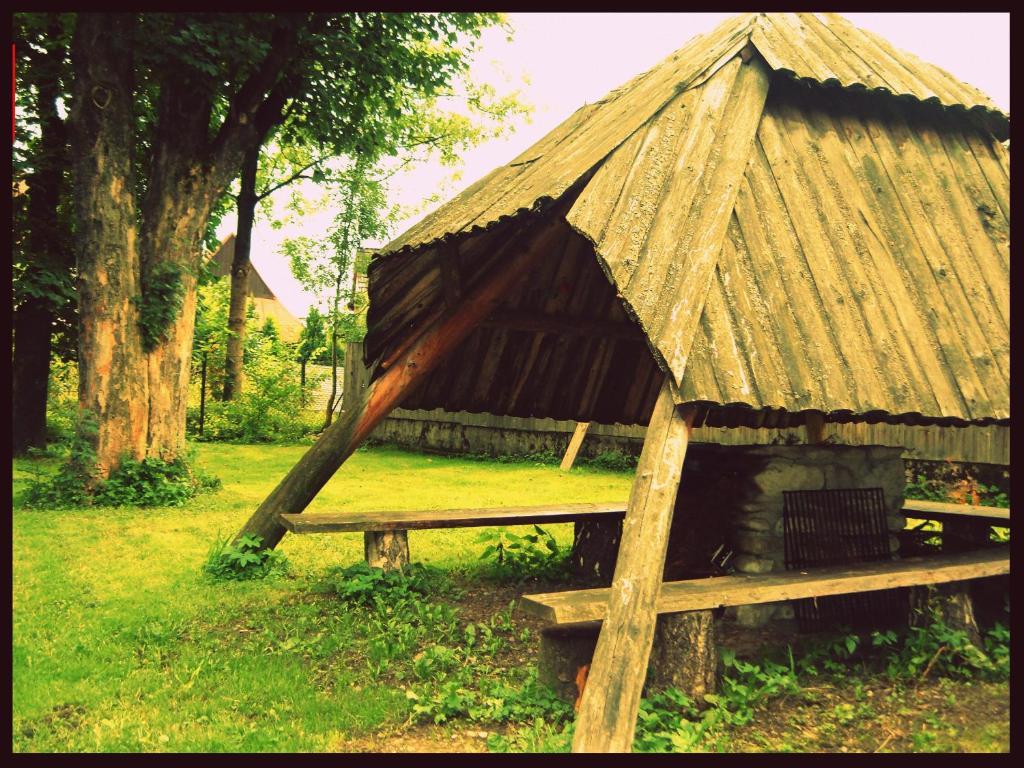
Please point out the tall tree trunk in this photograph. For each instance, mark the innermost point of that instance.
(113, 391)
(33, 330)
(329, 416)
(240, 268)
(302, 383)
(48, 244)
(202, 397)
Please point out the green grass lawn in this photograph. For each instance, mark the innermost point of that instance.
(121, 643)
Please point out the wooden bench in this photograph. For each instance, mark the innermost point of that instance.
(588, 605)
(390, 520)
(684, 654)
(936, 510)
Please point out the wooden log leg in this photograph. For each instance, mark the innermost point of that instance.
(611, 699)
(386, 549)
(421, 355)
(685, 655)
(564, 652)
(595, 548)
(956, 599)
(951, 602)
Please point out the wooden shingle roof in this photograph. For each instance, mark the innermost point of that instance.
(795, 215)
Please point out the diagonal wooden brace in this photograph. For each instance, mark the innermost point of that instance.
(611, 699)
(443, 333)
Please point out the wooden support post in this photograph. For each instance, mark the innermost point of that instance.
(418, 358)
(611, 699)
(814, 425)
(575, 443)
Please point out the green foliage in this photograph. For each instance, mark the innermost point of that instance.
(62, 400)
(243, 560)
(532, 555)
(149, 482)
(361, 584)
(492, 700)
(269, 408)
(160, 303)
(945, 652)
(613, 461)
(956, 484)
(70, 486)
(537, 458)
(312, 340)
(539, 736)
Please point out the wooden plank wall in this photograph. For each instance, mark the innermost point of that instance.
(488, 433)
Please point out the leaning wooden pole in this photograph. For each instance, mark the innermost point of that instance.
(438, 338)
(611, 699)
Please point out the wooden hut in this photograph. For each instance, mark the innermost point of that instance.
(265, 302)
(786, 222)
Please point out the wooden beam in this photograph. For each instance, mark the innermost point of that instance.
(421, 356)
(586, 605)
(927, 509)
(814, 425)
(575, 443)
(611, 699)
(563, 325)
(400, 520)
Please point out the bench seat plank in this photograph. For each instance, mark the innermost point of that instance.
(586, 605)
(391, 520)
(929, 510)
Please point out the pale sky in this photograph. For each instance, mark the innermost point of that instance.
(560, 61)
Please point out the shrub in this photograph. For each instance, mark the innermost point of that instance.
(613, 461)
(535, 554)
(149, 482)
(269, 408)
(243, 560)
(62, 400)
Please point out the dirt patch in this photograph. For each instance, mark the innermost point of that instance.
(419, 738)
(62, 718)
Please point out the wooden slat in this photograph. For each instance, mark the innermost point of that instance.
(392, 520)
(575, 443)
(702, 594)
(923, 509)
(560, 325)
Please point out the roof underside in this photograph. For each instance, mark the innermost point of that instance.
(772, 243)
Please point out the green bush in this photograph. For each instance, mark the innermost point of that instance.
(61, 401)
(149, 482)
(269, 408)
(613, 461)
(535, 554)
(243, 560)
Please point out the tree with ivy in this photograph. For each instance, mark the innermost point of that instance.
(164, 109)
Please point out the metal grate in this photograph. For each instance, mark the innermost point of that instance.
(835, 527)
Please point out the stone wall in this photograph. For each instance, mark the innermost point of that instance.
(732, 496)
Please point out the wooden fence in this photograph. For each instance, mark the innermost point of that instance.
(441, 430)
